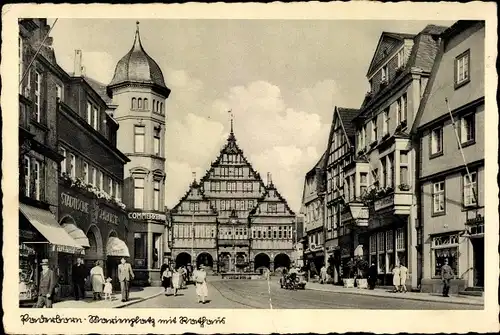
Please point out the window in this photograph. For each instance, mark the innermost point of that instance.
(146, 103)
(158, 107)
(401, 108)
(470, 189)
(403, 168)
(400, 246)
(467, 129)
(96, 119)
(384, 74)
(140, 250)
(272, 208)
(437, 141)
(400, 57)
(374, 130)
(445, 248)
(118, 191)
(89, 113)
(385, 117)
(139, 133)
(38, 96)
(94, 177)
(381, 252)
(37, 180)
(364, 135)
(63, 162)
(462, 68)
(101, 181)
(139, 103)
(72, 165)
(161, 107)
(20, 55)
(363, 182)
(438, 198)
(138, 193)
(85, 172)
(383, 169)
(156, 196)
(134, 103)
(153, 106)
(390, 170)
(27, 176)
(156, 141)
(110, 186)
(231, 186)
(59, 91)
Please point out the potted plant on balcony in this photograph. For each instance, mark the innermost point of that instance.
(361, 267)
(349, 281)
(404, 187)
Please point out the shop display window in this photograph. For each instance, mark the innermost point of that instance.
(140, 250)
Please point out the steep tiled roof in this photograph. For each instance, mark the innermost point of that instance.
(346, 116)
(100, 88)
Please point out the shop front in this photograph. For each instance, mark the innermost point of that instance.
(41, 236)
(98, 225)
(150, 237)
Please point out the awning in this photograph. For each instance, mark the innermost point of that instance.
(77, 234)
(116, 247)
(45, 222)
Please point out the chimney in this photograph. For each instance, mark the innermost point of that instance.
(78, 64)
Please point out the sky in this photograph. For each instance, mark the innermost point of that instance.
(281, 78)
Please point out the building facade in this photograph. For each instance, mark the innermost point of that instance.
(313, 209)
(451, 198)
(139, 93)
(341, 221)
(385, 158)
(230, 220)
(40, 78)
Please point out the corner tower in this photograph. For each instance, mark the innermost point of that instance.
(139, 94)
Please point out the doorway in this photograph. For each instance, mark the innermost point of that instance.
(478, 249)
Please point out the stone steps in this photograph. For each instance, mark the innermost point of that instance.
(473, 291)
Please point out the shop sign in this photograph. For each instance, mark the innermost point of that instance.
(108, 217)
(67, 249)
(147, 216)
(74, 203)
(384, 202)
(27, 234)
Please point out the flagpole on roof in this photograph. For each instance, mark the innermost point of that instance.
(36, 53)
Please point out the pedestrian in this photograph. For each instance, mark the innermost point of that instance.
(446, 276)
(108, 289)
(396, 278)
(403, 274)
(125, 275)
(176, 280)
(167, 279)
(79, 275)
(97, 280)
(163, 268)
(183, 276)
(372, 276)
(323, 275)
(46, 286)
(200, 278)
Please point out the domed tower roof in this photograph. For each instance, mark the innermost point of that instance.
(138, 67)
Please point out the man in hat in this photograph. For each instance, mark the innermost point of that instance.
(125, 275)
(46, 287)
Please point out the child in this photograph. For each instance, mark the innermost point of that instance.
(108, 289)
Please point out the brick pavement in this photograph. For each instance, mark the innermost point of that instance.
(379, 292)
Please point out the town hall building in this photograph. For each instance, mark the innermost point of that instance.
(231, 221)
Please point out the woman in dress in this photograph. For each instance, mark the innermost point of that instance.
(163, 268)
(200, 278)
(176, 280)
(97, 280)
(396, 278)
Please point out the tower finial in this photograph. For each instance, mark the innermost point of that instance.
(232, 119)
(137, 25)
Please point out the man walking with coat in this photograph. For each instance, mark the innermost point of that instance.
(125, 275)
(446, 276)
(79, 274)
(46, 287)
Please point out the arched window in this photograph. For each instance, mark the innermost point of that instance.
(134, 103)
(153, 105)
(161, 108)
(145, 103)
(158, 106)
(140, 103)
